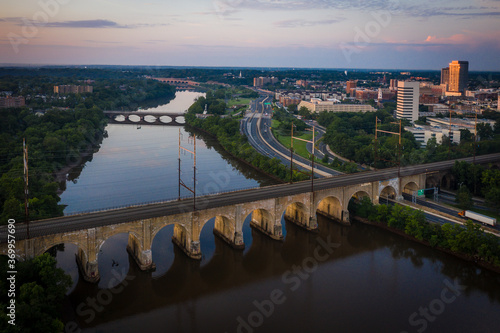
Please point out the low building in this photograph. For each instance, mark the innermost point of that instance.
(458, 124)
(262, 81)
(424, 133)
(73, 89)
(366, 94)
(12, 102)
(289, 100)
(331, 106)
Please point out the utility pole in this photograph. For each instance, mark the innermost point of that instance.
(474, 159)
(291, 156)
(449, 139)
(26, 188)
(312, 155)
(181, 183)
(399, 145)
(376, 143)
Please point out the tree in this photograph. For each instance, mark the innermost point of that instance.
(41, 288)
(305, 113)
(466, 135)
(292, 108)
(484, 131)
(464, 198)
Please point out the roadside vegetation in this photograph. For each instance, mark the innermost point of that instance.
(282, 127)
(474, 179)
(469, 240)
(227, 132)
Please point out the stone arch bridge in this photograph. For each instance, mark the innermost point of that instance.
(266, 216)
(160, 118)
(297, 202)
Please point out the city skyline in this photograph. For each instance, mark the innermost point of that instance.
(382, 34)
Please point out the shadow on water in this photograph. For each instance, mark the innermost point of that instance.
(367, 260)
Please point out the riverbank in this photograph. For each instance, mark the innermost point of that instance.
(468, 258)
(214, 137)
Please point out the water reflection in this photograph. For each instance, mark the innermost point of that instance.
(374, 274)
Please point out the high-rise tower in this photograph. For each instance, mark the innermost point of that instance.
(459, 76)
(408, 98)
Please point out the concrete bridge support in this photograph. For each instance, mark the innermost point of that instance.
(87, 260)
(267, 223)
(140, 247)
(226, 230)
(183, 239)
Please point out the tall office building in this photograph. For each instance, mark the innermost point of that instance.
(408, 98)
(445, 75)
(459, 76)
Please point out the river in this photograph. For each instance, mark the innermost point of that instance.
(341, 279)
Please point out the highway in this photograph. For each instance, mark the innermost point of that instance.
(92, 220)
(257, 127)
(430, 217)
(440, 208)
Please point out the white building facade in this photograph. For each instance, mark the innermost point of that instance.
(408, 100)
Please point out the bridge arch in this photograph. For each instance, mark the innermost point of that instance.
(330, 207)
(297, 213)
(432, 181)
(262, 219)
(410, 187)
(388, 192)
(49, 245)
(359, 195)
(225, 228)
(447, 181)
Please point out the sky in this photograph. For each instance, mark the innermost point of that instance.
(384, 34)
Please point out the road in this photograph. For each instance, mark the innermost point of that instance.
(257, 127)
(98, 219)
(443, 209)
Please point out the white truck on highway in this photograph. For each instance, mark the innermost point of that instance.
(478, 217)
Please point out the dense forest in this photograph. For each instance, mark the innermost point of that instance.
(58, 130)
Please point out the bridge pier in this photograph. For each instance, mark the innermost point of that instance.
(142, 257)
(89, 269)
(236, 242)
(226, 230)
(183, 241)
(345, 218)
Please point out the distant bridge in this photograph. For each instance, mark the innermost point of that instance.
(297, 202)
(173, 121)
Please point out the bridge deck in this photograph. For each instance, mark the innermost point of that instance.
(144, 113)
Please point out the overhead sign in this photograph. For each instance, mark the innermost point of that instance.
(420, 193)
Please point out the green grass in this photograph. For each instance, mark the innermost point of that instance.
(299, 147)
(238, 101)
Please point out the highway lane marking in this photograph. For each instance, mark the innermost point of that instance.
(307, 167)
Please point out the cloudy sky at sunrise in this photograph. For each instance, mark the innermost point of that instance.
(259, 33)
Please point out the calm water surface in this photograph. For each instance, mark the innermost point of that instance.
(367, 280)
